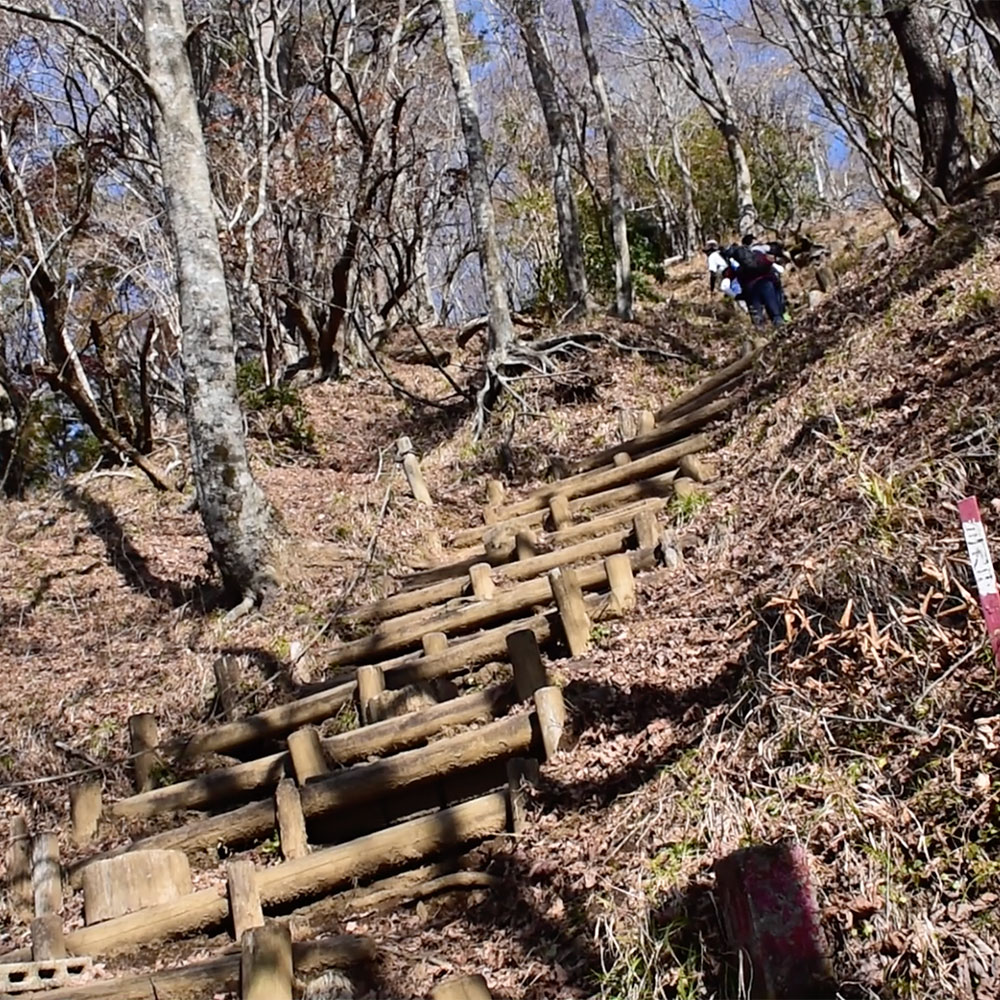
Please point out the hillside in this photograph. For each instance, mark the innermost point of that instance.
(815, 669)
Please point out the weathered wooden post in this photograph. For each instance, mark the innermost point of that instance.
(291, 820)
(85, 811)
(371, 684)
(494, 493)
(47, 939)
(434, 643)
(521, 773)
(144, 738)
(627, 427)
(266, 965)
(227, 685)
(244, 899)
(526, 544)
(647, 421)
(19, 892)
(770, 915)
(572, 611)
(481, 579)
(647, 530)
(411, 468)
(621, 582)
(463, 988)
(559, 511)
(696, 468)
(307, 755)
(526, 659)
(551, 712)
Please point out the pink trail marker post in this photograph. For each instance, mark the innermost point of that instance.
(982, 570)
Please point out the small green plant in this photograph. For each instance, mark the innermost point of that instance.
(274, 412)
(979, 302)
(684, 506)
(271, 846)
(600, 633)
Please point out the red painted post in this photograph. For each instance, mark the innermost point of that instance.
(982, 570)
(771, 919)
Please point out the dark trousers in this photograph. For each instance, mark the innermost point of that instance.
(764, 295)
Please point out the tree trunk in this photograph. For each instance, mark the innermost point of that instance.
(237, 517)
(543, 77)
(501, 327)
(619, 231)
(943, 146)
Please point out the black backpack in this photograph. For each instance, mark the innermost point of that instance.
(751, 263)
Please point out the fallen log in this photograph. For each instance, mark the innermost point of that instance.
(701, 393)
(218, 975)
(267, 725)
(602, 479)
(291, 881)
(661, 434)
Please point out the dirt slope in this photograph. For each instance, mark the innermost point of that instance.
(815, 670)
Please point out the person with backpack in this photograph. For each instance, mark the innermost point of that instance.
(760, 282)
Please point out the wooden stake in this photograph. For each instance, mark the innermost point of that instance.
(46, 874)
(526, 544)
(307, 754)
(227, 685)
(626, 424)
(490, 514)
(569, 600)
(47, 938)
(551, 711)
(697, 469)
(20, 894)
(371, 683)
(646, 421)
(433, 544)
(291, 821)
(414, 475)
(434, 643)
(621, 582)
(622, 458)
(559, 512)
(244, 900)
(85, 811)
(144, 739)
(494, 492)
(521, 772)
(266, 967)
(481, 578)
(463, 988)
(526, 659)
(647, 530)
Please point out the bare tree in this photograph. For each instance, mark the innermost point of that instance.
(619, 228)
(501, 328)
(672, 24)
(237, 517)
(543, 77)
(944, 148)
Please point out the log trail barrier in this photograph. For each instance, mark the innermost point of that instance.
(395, 791)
